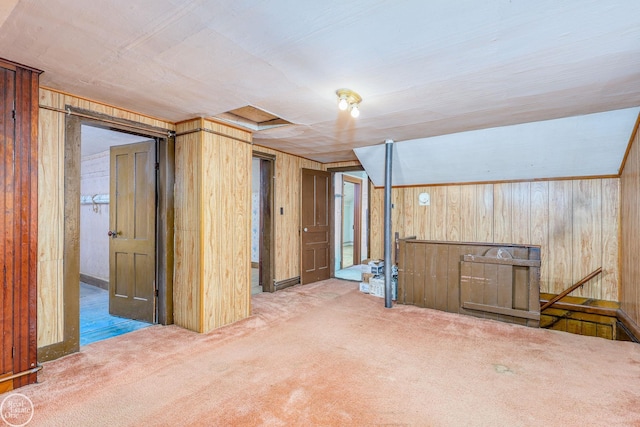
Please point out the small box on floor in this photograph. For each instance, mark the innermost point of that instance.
(366, 277)
(364, 287)
(376, 287)
(372, 266)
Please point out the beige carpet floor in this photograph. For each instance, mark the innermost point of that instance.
(325, 354)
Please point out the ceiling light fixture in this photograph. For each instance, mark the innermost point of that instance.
(349, 100)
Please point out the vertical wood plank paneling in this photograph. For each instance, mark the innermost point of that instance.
(502, 229)
(18, 222)
(422, 216)
(376, 229)
(51, 226)
(407, 211)
(587, 239)
(50, 194)
(540, 228)
(431, 270)
(539, 213)
(439, 213)
(187, 292)
(225, 199)
(7, 220)
(287, 225)
(397, 219)
(610, 225)
(453, 213)
(468, 213)
(419, 279)
(521, 213)
(560, 236)
(630, 233)
(484, 208)
(213, 228)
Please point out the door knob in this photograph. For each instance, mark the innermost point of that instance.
(112, 234)
(306, 229)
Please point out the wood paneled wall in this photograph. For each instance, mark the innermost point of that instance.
(287, 225)
(575, 222)
(630, 231)
(212, 285)
(18, 223)
(51, 145)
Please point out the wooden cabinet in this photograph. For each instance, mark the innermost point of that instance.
(18, 223)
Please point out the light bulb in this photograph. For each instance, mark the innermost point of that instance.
(355, 111)
(343, 104)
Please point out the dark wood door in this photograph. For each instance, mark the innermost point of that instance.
(315, 227)
(132, 220)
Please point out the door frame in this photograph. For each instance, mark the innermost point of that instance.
(165, 141)
(355, 168)
(357, 219)
(267, 218)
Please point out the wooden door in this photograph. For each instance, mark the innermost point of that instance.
(314, 227)
(132, 221)
(266, 225)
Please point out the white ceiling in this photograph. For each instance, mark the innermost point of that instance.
(526, 151)
(423, 68)
(96, 140)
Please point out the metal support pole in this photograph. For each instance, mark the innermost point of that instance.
(387, 223)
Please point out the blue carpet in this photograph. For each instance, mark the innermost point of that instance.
(96, 323)
(352, 273)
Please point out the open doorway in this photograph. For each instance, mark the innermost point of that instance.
(262, 172)
(98, 166)
(351, 206)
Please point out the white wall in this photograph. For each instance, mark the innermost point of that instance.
(255, 210)
(94, 218)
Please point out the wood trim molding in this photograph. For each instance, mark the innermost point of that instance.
(628, 323)
(286, 283)
(629, 145)
(102, 103)
(512, 181)
(94, 281)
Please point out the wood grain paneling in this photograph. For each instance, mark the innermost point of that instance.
(587, 238)
(212, 284)
(51, 218)
(630, 233)
(502, 215)
(562, 217)
(610, 242)
(287, 211)
(539, 224)
(51, 227)
(226, 224)
(18, 222)
(560, 236)
(187, 287)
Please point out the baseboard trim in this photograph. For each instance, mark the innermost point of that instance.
(94, 281)
(282, 284)
(632, 328)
